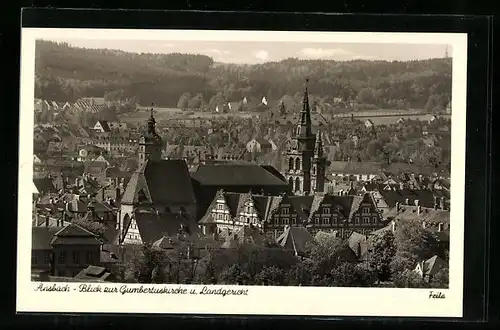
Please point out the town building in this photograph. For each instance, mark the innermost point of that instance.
(324, 212)
(66, 251)
(259, 145)
(160, 185)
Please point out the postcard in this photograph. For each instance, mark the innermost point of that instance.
(241, 172)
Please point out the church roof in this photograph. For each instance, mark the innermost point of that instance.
(236, 175)
(160, 182)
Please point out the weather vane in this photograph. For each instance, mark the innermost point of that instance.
(152, 110)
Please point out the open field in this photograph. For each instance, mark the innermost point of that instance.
(378, 117)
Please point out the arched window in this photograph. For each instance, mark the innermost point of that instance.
(290, 163)
(314, 170)
(297, 184)
(290, 182)
(297, 164)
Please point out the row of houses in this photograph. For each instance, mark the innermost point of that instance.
(88, 104)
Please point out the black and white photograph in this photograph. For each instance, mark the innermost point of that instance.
(257, 167)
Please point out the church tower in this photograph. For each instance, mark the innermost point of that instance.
(318, 173)
(150, 143)
(300, 151)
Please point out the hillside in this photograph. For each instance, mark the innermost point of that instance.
(65, 73)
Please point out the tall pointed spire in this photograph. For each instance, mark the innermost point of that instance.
(318, 149)
(305, 115)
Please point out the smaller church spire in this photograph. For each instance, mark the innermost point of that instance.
(151, 121)
(318, 149)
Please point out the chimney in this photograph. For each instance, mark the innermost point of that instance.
(393, 223)
(419, 209)
(442, 204)
(407, 201)
(435, 203)
(401, 186)
(417, 202)
(420, 178)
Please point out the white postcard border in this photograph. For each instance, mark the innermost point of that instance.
(260, 299)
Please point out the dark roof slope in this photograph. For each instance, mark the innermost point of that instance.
(45, 185)
(236, 175)
(162, 182)
(153, 226)
(41, 237)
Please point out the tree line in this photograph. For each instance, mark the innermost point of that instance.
(393, 258)
(65, 73)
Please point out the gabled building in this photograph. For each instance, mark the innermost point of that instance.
(259, 145)
(148, 225)
(102, 127)
(427, 269)
(65, 251)
(207, 179)
(324, 212)
(162, 185)
(233, 211)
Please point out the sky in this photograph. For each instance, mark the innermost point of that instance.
(252, 52)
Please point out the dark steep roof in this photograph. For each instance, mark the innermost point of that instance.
(236, 175)
(153, 226)
(41, 237)
(74, 234)
(45, 185)
(162, 182)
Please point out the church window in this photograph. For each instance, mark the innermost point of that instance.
(326, 210)
(290, 182)
(290, 163)
(326, 221)
(356, 220)
(366, 220)
(374, 219)
(314, 170)
(316, 220)
(366, 210)
(285, 210)
(297, 184)
(285, 221)
(297, 164)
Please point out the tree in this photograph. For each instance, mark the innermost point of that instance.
(183, 102)
(348, 274)
(383, 251)
(270, 276)
(234, 274)
(195, 102)
(147, 265)
(94, 227)
(409, 279)
(441, 279)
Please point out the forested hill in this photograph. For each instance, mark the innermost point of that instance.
(65, 73)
